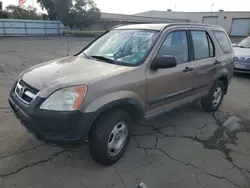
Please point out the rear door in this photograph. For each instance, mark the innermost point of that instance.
(204, 59)
(167, 88)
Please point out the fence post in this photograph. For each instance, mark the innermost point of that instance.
(4, 32)
(58, 28)
(25, 26)
(45, 31)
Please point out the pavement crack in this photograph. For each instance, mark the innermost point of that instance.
(156, 142)
(218, 122)
(153, 127)
(187, 163)
(5, 108)
(222, 178)
(144, 134)
(245, 154)
(146, 153)
(34, 164)
(190, 164)
(119, 175)
(215, 142)
(20, 152)
(197, 179)
(204, 126)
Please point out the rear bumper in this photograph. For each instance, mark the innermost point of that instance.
(242, 71)
(52, 126)
(242, 67)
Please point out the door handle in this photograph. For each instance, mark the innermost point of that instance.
(217, 62)
(188, 69)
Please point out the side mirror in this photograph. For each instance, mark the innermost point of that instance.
(163, 62)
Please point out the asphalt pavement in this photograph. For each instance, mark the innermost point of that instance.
(181, 149)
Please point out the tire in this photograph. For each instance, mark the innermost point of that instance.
(210, 104)
(107, 133)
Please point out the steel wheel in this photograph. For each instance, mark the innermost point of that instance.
(217, 96)
(117, 138)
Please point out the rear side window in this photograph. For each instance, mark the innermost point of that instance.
(223, 41)
(203, 45)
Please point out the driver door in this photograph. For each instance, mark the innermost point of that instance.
(170, 87)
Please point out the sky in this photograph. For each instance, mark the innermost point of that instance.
(136, 6)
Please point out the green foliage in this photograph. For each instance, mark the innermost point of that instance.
(16, 12)
(3, 14)
(73, 13)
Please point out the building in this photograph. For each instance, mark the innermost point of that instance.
(235, 23)
(109, 20)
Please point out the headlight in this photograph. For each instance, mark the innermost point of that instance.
(66, 99)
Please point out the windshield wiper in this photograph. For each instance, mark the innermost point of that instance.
(241, 46)
(105, 59)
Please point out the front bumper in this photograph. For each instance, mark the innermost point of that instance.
(242, 67)
(52, 126)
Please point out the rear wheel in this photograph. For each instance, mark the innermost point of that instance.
(109, 137)
(213, 101)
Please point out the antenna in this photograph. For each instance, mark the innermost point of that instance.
(67, 39)
(212, 5)
(67, 44)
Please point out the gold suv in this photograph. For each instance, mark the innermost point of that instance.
(129, 73)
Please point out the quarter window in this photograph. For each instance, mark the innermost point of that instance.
(176, 45)
(203, 45)
(223, 41)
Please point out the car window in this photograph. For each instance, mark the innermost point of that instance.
(176, 45)
(245, 43)
(223, 41)
(127, 47)
(203, 45)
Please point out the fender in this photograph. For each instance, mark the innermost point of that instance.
(223, 73)
(123, 102)
(130, 100)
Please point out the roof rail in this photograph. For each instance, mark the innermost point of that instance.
(194, 24)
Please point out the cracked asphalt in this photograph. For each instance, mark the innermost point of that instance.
(184, 148)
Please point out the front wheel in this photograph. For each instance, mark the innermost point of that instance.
(109, 137)
(213, 101)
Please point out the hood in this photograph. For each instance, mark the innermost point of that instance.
(69, 71)
(241, 52)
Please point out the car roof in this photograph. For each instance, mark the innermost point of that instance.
(160, 26)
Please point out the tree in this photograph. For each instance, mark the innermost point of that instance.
(3, 13)
(79, 13)
(85, 12)
(16, 12)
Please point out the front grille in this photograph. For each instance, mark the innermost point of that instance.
(242, 59)
(25, 92)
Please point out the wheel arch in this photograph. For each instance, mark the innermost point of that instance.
(225, 81)
(129, 105)
(224, 77)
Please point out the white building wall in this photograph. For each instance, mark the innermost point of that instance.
(224, 18)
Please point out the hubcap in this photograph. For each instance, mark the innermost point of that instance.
(117, 138)
(217, 96)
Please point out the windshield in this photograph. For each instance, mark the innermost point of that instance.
(245, 43)
(127, 47)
